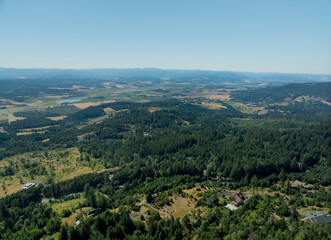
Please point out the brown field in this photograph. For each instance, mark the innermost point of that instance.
(77, 86)
(179, 208)
(212, 105)
(89, 104)
(325, 102)
(219, 97)
(37, 129)
(262, 112)
(3, 117)
(12, 118)
(154, 109)
(120, 85)
(108, 110)
(86, 105)
(28, 131)
(12, 186)
(255, 109)
(57, 118)
(24, 133)
(279, 104)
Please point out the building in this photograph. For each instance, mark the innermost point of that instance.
(29, 185)
(237, 198)
(318, 217)
(297, 183)
(93, 212)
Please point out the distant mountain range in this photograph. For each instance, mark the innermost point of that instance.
(154, 73)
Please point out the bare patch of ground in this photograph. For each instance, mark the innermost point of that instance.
(89, 104)
(219, 97)
(11, 186)
(212, 105)
(3, 117)
(179, 208)
(24, 133)
(12, 118)
(57, 118)
(255, 109)
(108, 110)
(86, 105)
(325, 102)
(154, 109)
(120, 85)
(262, 112)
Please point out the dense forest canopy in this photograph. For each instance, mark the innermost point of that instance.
(120, 166)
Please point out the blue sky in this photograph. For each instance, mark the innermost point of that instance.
(239, 35)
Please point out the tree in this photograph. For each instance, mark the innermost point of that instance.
(3, 210)
(282, 175)
(283, 210)
(91, 199)
(254, 182)
(213, 201)
(149, 197)
(63, 233)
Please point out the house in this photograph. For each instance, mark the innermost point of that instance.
(318, 217)
(297, 183)
(29, 185)
(78, 222)
(93, 212)
(237, 198)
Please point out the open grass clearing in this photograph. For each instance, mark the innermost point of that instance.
(67, 205)
(60, 165)
(212, 105)
(58, 118)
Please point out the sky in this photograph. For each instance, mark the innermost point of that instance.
(290, 36)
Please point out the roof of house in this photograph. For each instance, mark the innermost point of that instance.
(28, 185)
(237, 197)
(297, 183)
(318, 217)
(93, 212)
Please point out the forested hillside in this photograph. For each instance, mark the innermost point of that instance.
(287, 91)
(167, 168)
(161, 153)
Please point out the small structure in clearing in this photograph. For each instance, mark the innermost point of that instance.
(237, 198)
(29, 185)
(318, 217)
(297, 183)
(93, 212)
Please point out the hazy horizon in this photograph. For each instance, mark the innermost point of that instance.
(154, 68)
